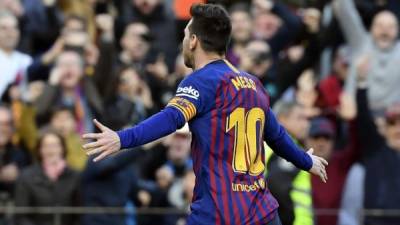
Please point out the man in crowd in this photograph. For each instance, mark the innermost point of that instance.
(374, 183)
(13, 63)
(12, 158)
(375, 53)
(285, 180)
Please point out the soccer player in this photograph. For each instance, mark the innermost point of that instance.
(229, 116)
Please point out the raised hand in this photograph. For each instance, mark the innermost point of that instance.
(347, 108)
(363, 67)
(105, 22)
(56, 75)
(318, 167)
(106, 143)
(311, 19)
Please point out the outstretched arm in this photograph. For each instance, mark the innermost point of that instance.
(281, 143)
(108, 141)
(188, 101)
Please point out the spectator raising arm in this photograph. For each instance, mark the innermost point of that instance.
(370, 139)
(104, 69)
(291, 27)
(351, 23)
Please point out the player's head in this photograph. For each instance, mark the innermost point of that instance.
(208, 31)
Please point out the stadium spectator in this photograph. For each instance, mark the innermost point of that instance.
(181, 194)
(156, 195)
(83, 9)
(13, 63)
(374, 53)
(321, 138)
(63, 121)
(178, 153)
(331, 86)
(167, 188)
(69, 87)
(257, 60)
(98, 61)
(300, 56)
(136, 44)
(293, 117)
(131, 98)
(25, 114)
(285, 181)
(12, 157)
(49, 183)
(160, 22)
(241, 32)
(41, 25)
(111, 183)
(138, 50)
(274, 23)
(378, 174)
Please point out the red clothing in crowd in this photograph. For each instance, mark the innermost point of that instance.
(328, 196)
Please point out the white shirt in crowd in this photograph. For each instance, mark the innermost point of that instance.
(10, 66)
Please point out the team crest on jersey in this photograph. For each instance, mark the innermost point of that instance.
(188, 92)
(185, 106)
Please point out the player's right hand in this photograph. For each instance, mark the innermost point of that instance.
(318, 167)
(106, 143)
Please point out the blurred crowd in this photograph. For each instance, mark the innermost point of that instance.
(330, 67)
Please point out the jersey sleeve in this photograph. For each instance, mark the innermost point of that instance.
(281, 143)
(189, 98)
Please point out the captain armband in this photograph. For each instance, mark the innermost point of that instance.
(184, 106)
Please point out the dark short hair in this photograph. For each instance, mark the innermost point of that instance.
(212, 26)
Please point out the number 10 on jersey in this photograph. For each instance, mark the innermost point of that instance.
(247, 155)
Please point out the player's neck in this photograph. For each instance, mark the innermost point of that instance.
(204, 59)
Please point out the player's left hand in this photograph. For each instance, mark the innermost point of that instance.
(106, 143)
(318, 167)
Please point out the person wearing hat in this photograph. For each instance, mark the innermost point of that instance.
(321, 137)
(375, 182)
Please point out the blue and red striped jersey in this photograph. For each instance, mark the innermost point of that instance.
(227, 110)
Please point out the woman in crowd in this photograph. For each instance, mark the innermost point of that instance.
(48, 183)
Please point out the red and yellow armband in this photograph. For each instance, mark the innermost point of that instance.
(184, 106)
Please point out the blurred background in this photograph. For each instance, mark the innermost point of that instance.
(331, 68)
